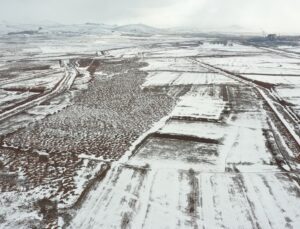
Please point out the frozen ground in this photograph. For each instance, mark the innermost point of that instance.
(102, 129)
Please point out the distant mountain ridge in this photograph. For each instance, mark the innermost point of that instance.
(89, 27)
(100, 28)
(138, 28)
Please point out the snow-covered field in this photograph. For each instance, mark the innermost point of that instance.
(114, 129)
(173, 64)
(187, 199)
(164, 78)
(259, 64)
(199, 107)
(217, 171)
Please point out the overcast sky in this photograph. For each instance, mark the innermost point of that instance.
(280, 16)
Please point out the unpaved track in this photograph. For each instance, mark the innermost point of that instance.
(63, 85)
(280, 52)
(30, 77)
(265, 93)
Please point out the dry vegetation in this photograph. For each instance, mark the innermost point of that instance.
(102, 123)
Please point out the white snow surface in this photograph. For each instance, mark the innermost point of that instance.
(199, 107)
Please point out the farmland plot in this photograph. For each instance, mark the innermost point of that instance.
(164, 78)
(173, 64)
(258, 64)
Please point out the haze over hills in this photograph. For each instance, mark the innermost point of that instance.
(90, 27)
(82, 28)
(139, 28)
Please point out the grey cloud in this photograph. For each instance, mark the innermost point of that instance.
(271, 15)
